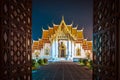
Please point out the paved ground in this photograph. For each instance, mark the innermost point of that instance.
(62, 71)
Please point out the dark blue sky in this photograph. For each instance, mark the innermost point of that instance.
(46, 12)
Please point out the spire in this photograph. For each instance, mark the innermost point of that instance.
(62, 22)
(62, 18)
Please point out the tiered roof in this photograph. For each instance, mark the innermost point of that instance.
(68, 29)
(35, 45)
(45, 34)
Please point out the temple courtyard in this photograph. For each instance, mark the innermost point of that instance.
(62, 71)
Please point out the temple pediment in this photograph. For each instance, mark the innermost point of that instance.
(63, 31)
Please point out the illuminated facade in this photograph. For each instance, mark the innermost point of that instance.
(62, 42)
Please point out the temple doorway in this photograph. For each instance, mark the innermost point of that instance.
(62, 50)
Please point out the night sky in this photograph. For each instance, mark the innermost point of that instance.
(47, 12)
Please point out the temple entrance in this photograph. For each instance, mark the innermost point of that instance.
(62, 53)
(62, 50)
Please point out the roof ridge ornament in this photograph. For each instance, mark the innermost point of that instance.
(85, 39)
(79, 30)
(42, 29)
(83, 28)
(55, 24)
(33, 40)
(72, 23)
(39, 39)
(76, 26)
(49, 27)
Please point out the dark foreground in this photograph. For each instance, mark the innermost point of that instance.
(62, 71)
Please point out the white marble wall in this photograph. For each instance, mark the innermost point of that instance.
(33, 54)
(41, 53)
(83, 53)
(70, 50)
(47, 45)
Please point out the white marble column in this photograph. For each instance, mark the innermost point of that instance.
(73, 52)
(43, 50)
(53, 49)
(74, 49)
(56, 48)
(69, 48)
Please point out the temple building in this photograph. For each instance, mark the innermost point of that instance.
(62, 42)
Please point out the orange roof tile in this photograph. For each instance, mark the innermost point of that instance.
(74, 31)
(79, 34)
(40, 42)
(55, 28)
(51, 31)
(69, 28)
(89, 43)
(45, 34)
(84, 42)
(35, 43)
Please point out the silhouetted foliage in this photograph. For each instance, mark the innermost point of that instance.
(33, 62)
(40, 61)
(45, 60)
